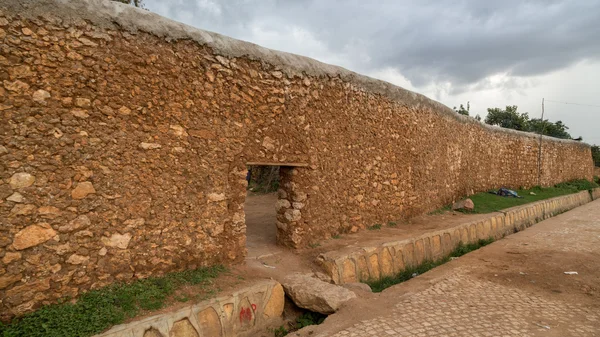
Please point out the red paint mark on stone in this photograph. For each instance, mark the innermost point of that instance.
(253, 307)
(245, 315)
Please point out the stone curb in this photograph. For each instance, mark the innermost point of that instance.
(390, 258)
(242, 313)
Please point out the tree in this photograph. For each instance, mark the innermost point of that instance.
(508, 118)
(462, 110)
(136, 3)
(596, 155)
(545, 127)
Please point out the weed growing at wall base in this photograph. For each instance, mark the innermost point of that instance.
(410, 272)
(97, 310)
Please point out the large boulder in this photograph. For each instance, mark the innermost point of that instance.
(315, 295)
(466, 204)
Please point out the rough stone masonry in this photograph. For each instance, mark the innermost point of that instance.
(125, 136)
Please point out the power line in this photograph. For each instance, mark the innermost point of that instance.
(597, 106)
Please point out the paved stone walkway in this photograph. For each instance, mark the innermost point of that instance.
(460, 299)
(462, 306)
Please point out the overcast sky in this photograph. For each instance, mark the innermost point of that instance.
(491, 53)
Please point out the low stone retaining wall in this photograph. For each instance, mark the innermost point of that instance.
(596, 193)
(367, 263)
(243, 313)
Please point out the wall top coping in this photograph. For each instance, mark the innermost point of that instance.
(115, 15)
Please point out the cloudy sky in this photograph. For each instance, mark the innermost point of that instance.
(491, 53)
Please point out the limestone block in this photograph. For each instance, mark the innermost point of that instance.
(152, 333)
(419, 252)
(348, 271)
(408, 253)
(363, 268)
(210, 324)
(183, 328)
(374, 271)
(436, 247)
(274, 306)
(387, 265)
(398, 260)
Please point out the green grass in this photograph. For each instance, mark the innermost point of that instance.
(392, 224)
(97, 310)
(375, 227)
(306, 319)
(407, 274)
(486, 202)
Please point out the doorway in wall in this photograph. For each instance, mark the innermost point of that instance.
(261, 214)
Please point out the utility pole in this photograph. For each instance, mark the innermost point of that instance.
(540, 148)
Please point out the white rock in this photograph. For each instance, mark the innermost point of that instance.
(282, 203)
(16, 197)
(117, 240)
(40, 96)
(315, 295)
(150, 146)
(20, 180)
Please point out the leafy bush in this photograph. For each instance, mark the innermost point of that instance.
(578, 184)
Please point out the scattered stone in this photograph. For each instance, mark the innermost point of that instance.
(55, 268)
(282, 203)
(120, 241)
(102, 251)
(268, 143)
(79, 113)
(16, 86)
(87, 42)
(178, 130)
(315, 295)
(10, 257)
(26, 31)
(82, 190)
(466, 204)
(21, 180)
(23, 209)
(16, 197)
(49, 212)
(293, 215)
(150, 146)
(80, 222)
(33, 235)
(124, 111)
(77, 259)
(83, 102)
(40, 96)
(3, 150)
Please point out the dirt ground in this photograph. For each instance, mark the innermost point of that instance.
(266, 259)
(516, 286)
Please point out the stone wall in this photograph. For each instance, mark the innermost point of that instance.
(390, 258)
(247, 312)
(125, 139)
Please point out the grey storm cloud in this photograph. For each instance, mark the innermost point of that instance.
(428, 42)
